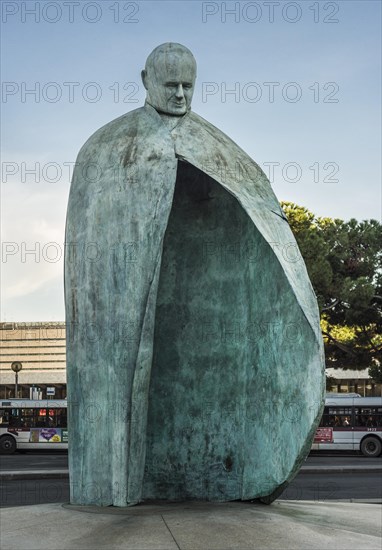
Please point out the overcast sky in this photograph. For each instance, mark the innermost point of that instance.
(295, 84)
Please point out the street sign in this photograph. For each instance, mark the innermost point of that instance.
(50, 391)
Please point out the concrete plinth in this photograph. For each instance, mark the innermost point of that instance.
(193, 525)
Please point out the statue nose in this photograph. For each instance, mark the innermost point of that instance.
(179, 91)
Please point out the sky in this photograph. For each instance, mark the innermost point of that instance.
(296, 84)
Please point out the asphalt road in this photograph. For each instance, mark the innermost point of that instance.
(323, 487)
(49, 460)
(34, 460)
(317, 487)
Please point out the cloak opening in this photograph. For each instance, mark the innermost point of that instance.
(223, 398)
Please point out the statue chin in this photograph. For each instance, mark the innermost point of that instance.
(173, 113)
(169, 111)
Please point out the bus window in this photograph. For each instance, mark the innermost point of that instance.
(327, 421)
(41, 420)
(27, 418)
(337, 417)
(368, 417)
(61, 420)
(328, 418)
(14, 418)
(4, 417)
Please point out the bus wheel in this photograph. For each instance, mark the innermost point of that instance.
(7, 445)
(371, 446)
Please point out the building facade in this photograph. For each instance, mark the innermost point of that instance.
(353, 381)
(41, 349)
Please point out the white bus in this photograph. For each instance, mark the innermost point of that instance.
(33, 424)
(351, 423)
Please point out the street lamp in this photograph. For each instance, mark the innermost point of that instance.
(16, 367)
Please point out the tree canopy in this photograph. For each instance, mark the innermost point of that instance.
(344, 261)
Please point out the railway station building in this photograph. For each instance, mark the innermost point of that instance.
(41, 349)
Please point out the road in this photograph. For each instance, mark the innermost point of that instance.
(365, 485)
(34, 460)
(321, 487)
(54, 460)
(317, 487)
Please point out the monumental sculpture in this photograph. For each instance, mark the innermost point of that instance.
(194, 353)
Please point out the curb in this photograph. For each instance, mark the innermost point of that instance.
(341, 470)
(64, 474)
(35, 474)
(358, 500)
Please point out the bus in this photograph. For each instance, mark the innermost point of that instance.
(33, 424)
(350, 423)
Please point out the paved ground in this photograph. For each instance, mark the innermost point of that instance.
(193, 526)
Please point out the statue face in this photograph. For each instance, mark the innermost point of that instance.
(169, 79)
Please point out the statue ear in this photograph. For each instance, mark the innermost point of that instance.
(144, 78)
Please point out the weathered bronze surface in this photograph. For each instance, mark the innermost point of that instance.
(194, 353)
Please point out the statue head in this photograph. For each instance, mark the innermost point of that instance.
(169, 78)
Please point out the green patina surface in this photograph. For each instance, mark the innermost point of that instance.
(195, 362)
(229, 407)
